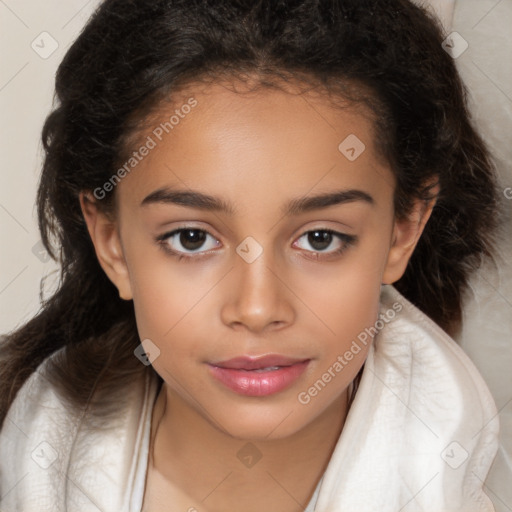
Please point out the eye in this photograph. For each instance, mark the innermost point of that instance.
(322, 239)
(189, 242)
(184, 241)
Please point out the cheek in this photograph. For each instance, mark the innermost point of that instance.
(344, 296)
(348, 308)
(160, 296)
(169, 299)
(345, 311)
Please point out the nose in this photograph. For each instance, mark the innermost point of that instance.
(259, 297)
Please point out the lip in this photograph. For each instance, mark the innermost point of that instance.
(246, 375)
(257, 362)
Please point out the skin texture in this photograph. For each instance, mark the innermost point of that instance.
(257, 151)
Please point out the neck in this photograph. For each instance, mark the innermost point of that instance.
(194, 455)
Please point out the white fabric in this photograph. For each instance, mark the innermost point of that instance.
(419, 394)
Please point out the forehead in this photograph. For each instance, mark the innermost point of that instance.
(226, 139)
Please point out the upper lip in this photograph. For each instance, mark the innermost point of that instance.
(257, 362)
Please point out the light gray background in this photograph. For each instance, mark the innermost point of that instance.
(26, 90)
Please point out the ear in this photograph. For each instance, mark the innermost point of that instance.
(406, 233)
(107, 243)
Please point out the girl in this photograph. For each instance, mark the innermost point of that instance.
(266, 214)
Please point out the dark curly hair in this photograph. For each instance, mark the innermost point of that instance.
(134, 53)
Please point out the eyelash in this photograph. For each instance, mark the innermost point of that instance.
(348, 241)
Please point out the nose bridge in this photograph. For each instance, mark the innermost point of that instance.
(259, 297)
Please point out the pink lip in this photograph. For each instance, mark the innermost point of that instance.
(257, 362)
(240, 375)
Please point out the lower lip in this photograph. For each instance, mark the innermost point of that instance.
(252, 383)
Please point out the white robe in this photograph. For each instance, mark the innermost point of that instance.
(420, 435)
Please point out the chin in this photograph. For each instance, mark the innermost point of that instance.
(264, 423)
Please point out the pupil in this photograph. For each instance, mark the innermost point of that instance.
(192, 239)
(322, 238)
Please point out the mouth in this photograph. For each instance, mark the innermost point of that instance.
(258, 376)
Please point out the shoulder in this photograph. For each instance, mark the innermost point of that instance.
(449, 417)
(53, 456)
(428, 355)
(34, 433)
(36, 407)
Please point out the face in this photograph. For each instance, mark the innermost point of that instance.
(253, 236)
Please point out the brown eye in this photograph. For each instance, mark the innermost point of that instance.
(192, 239)
(187, 242)
(321, 239)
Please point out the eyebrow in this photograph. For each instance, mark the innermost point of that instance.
(198, 200)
